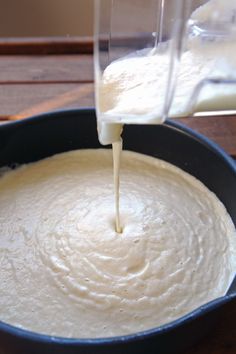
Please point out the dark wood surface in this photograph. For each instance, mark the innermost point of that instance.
(47, 74)
(49, 45)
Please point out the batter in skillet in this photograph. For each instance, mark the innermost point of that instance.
(66, 272)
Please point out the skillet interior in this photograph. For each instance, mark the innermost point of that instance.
(42, 136)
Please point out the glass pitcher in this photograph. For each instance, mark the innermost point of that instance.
(162, 58)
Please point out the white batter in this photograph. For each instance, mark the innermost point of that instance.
(66, 272)
(133, 89)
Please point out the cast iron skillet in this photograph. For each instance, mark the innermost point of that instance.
(51, 133)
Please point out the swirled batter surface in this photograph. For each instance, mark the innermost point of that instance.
(64, 270)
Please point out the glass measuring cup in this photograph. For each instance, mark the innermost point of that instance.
(163, 58)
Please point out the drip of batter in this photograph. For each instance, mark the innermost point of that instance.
(111, 134)
(117, 151)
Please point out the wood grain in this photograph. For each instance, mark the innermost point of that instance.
(220, 129)
(21, 101)
(46, 45)
(45, 69)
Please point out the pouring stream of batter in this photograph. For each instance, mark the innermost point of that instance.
(132, 89)
(117, 150)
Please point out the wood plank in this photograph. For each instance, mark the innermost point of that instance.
(221, 129)
(21, 101)
(47, 45)
(65, 45)
(46, 69)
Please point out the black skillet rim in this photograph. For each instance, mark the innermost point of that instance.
(199, 312)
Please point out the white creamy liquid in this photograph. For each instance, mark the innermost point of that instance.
(133, 88)
(66, 272)
(117, 151)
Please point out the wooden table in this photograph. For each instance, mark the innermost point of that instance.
(47, 74)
